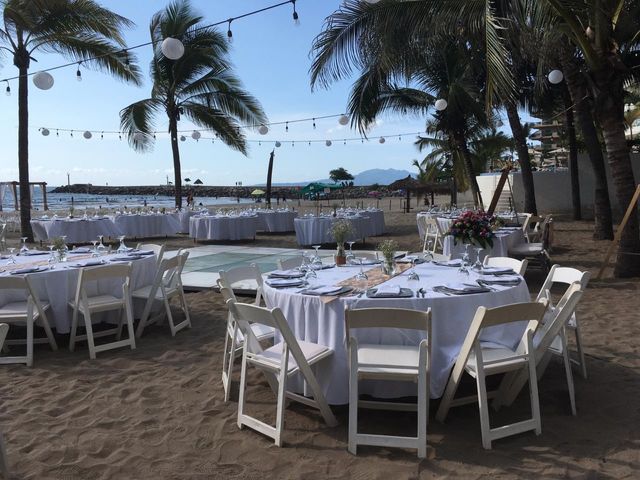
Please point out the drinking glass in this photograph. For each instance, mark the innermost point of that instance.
(317, 261)
(310, 277)
(350, 255)
(464, 264)
(101, 248)
(478, 265)
(122, 248)
(11, 258)
(95, 252)
(413, 275)
(361, 278)
(23, 247)
(52, 260)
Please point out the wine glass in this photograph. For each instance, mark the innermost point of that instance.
(95, 252)
(413, 275)
(427, 255)
(101, 248)
(464, 264)
(52, 257)
(11, 259)
(310, 277)
(350, 255)
(478, 265)
(122, 248)
(317, 261)
(23, 247)
(361, 278)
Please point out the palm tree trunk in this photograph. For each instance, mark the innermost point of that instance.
(573, 157)
(610, 116)
(576, 84)
(177, 174)
(23, 150)
(269, 176)
(523, 158)
(468, 168)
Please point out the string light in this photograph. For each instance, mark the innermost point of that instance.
(229, 32)
(286, 128)
(87, 134)
(79, 73)
(296, 18)
(8, 89)
(314, 123)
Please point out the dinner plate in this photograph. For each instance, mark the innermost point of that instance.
(404, 293)
(24, 271)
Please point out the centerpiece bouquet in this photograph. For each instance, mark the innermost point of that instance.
(473, 227)
(388, 249)
(341, 231)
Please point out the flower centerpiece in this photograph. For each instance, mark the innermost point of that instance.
(473, 227)
(341, 231)
(61, 248)
(388, 249)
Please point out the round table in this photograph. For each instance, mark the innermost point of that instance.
(77, 230)
(145, 226)
(223, 227)
(58, 286)
(274, 221)
(317, 320)
(505, 239)
(317, 230)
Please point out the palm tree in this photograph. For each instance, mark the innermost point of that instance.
(200, 85)
(81, 30)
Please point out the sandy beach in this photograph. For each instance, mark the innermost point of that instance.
(158, 412)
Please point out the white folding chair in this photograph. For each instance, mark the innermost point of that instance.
(278, 362)
(29, 312)
(166, 285)
(518, 266)
(234, 340)
(87, 304)
(550, 339)
(158, 250)
(567, 276)
(479, 360)
(3, 237)
(534, 227)
(243, 278)
(432, 233)
(389, 362)
(289, 263)
(537, 252)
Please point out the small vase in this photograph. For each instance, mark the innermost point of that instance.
(340, 260)
(388, 267)
(62, 255)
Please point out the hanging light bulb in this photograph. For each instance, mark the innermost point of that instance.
(71, 134)
(344, 142)
(87, 134)
(314, 123)
(182, 138)
(79, 73)
(555, 77)
(45, 132)
(286, 127)
(263, 129)
(328, 143)
(293, 144)
(43, 80)
(229, 32)
(343, 120)
(172, 48)
(296, 18)
(441, 104)
(382, 140)
(278, 144)
(8, 89)
(196, 135)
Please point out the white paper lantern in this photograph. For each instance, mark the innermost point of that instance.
(278, 144)
(196, 135)
(172, 48)
(441, 104)
(328, 143)
(382, 140)
(43, 80)
(87, 135)
(343, 120)
(182, 138)
(45, 132)
(263, 130)
(555, 76)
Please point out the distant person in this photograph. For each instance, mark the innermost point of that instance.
(144, 202)
(284, 198)
(190, 199)
(107, 199)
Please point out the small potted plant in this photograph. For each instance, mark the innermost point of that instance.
(388, 249)
(341, 231)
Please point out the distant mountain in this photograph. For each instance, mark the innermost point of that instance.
(368, 177)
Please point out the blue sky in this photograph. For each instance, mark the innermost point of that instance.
(271, 56)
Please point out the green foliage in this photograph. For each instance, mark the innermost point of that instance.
(340, 175)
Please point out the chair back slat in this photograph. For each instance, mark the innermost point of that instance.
(100, 272)
(518, 266)
(289, 263)
(564, 275)
(4, 329)
(564, 310)
(387, 318)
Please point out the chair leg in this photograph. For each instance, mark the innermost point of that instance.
(128, 309)
(121, 315)
(4, 462)
(533, 389)
(30, 340)
(483, 406)
(243, 382)
(145, 316)
(167, 309)
(583, 365)
(74, 328)
(353, 410)
(282, 396)
(49, 333)
(423, 412)
(89, 328)
(567, 368)
(185, 308)
(231, 360)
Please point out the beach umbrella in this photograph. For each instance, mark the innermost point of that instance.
(257, 191)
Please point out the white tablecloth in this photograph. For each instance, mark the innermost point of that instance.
(183, 218)
(223, 227)
(77, 230)
(375, 225)
(58, 286)
(503, 240)
(145, 226)
(315, 321)
(276, 221)
(317, 230)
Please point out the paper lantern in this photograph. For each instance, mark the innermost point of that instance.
(555, 76)
(43, 80)
(87, 135)
(441, 104)
(278, 144)
(382, 140)
(328, 143)
(343, 120)
(172, 48)
(45, 132)
(182, 138)
(263, 130)
(196, 135)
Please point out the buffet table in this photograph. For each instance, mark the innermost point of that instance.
(275, 221)
(147, 225)
(77, 230)
(222, 227)
(321, 320)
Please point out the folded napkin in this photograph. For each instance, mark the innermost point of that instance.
(91, 263)
(386, 291)
(137, 253)
(283, 282)
(124, 258)
(460, 288)
(22, 271)
(286, 274)
(30, 253)
(368, 261)
(497, 270)
(500, 280)
(450, 263)
(323, 290)
(81, 250)
(410, 259)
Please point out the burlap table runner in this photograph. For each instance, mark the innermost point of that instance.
(42, 263)
(375, 276)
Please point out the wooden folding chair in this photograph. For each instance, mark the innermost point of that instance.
(166, 285)
(480, 360)
(86, 305)
(28, 312)
(280, 361)
(389, 362)
(567, 276)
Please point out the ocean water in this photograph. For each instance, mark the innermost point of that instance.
(62, 201)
